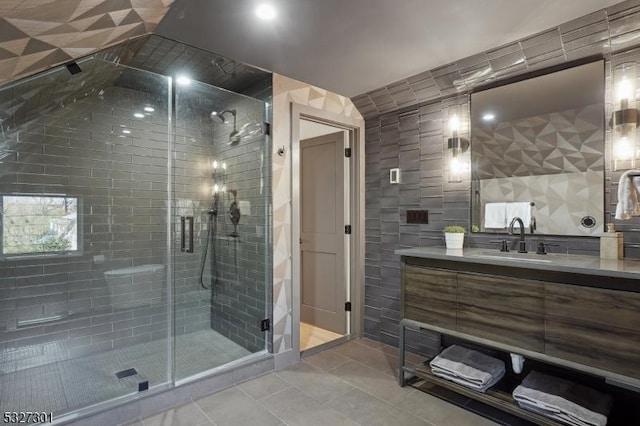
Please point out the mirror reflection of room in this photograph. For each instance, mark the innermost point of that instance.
(537, 153)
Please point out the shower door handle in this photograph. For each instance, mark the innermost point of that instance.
(190, 248)
(182, 226)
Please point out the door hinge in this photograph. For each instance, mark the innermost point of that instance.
(347, 306)
(265, 324)
(347, 152)
(347, 229)
(267, 129)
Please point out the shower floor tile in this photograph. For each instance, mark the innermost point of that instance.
(67, 385)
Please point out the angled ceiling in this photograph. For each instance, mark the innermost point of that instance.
(354, 46)
(38, 34)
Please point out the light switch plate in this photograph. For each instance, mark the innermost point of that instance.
(394, 175)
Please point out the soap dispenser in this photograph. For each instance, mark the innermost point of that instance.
(611, 244)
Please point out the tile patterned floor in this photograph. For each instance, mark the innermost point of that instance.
(352, 384)
(63, 386)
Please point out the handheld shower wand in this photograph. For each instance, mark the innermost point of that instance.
(211, 232)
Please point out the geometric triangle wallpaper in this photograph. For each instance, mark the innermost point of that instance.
(39, 34)
(570, 141)
(561, 200)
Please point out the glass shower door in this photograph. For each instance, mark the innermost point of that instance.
(221, 249)
(84, 312)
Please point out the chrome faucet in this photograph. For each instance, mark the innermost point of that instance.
(522, 247)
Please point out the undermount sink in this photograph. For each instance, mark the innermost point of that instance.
(506, 257)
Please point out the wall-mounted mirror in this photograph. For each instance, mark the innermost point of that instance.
(537, 152)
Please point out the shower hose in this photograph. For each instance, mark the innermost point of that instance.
(213, 224)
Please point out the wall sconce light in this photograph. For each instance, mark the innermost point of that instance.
(218, 177)
(624, 121)
(456, 147)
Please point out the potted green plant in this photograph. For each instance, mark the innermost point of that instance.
(454, 236)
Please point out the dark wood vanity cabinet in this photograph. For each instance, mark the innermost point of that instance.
(591, 327)
(430, 296)
(505, 309)
(595, 327)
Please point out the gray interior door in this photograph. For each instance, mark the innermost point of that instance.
(324, 284)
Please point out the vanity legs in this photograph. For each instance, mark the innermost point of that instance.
(402, 368)
(401, 379)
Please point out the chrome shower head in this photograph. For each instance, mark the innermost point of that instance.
(221, 115)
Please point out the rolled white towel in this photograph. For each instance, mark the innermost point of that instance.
(628, 195)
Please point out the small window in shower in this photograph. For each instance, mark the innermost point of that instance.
(39, 224)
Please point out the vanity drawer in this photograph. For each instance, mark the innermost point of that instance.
(596, 327)
(609, 308)
(430, 296)
(504, 309)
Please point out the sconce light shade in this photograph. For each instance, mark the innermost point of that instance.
(624, 122)
(456, 147)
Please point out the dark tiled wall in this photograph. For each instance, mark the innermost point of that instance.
(120, 179)
(239, 296)
(602, 33)
(236, 302)
(413, 140)
(404, 128)
(78, 147)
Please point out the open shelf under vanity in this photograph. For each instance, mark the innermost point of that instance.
(498, 396)
(578, 323)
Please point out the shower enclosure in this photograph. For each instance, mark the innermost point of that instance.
(115, 276)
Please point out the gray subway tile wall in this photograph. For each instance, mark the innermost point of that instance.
(240, 294)
(63, 137)
(78, 149)
(605, 32)
(410, 136)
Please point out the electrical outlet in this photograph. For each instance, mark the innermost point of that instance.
(418, 216)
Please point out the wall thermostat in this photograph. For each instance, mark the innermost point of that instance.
(394, 175)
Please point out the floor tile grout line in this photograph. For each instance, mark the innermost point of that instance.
(289, 386)
(321, 404)
(412, 391)
(373, 369)
(362, 363)
(204, 412)
(375, 396)
(264, 406)
(348, 383)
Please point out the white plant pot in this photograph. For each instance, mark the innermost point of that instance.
(454, 240)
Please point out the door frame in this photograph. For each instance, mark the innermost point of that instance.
(355, 260)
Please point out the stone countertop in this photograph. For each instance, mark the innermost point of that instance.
(590, 265)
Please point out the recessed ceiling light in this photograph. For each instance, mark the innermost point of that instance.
(126, 132)
(489, 116)
(183, 80)
(266, 11)
(149, 109)
(138, 115)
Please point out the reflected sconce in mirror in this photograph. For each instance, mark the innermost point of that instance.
(456, 147)
(624, 121)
